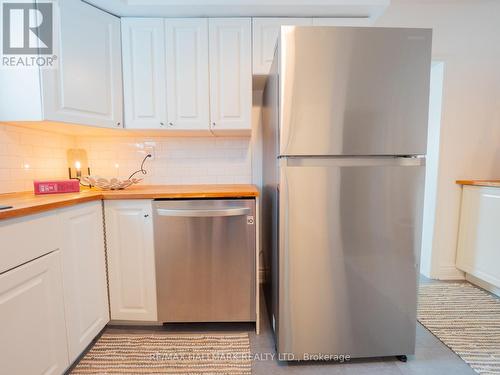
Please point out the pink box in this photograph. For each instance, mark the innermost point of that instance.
(56, 186)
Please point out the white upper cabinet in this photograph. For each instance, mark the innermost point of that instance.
(265, 36)
(131, 263)
(84, 275)
(342, 21)
(266, 31)
(230, 46)
(144, 83)
(86, 85)
(187, 73)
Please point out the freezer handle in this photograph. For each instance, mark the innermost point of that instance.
(240, 211)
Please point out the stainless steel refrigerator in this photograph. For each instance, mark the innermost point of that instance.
(345, 131)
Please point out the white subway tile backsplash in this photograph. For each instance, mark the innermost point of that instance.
(197, 160)
(27, 154)
(5, 174)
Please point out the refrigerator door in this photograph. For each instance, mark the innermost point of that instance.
(353, 90)
(348, 259)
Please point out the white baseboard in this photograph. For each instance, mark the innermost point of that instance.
(483, 284)
(449, 273)
(133, 323)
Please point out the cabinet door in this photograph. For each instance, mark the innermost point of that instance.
(32, 326)
(341, 21)
(230, 73)
(87, 86)
(265, 36)
(479, 238)
(131, 267)
(84, 275)
(144, 85)
(187, 73)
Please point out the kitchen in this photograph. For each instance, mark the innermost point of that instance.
(189, 91)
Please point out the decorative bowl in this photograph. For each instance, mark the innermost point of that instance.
(110, 184)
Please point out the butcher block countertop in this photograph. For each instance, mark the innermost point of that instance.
(27, 203)
(490, 183)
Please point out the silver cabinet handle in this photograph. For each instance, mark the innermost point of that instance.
(204, 213)
(162, 124)
(170, 124)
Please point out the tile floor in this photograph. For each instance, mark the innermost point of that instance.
(431, 358)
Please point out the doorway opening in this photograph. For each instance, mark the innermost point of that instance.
(428, 253)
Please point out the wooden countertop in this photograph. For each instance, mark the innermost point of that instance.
(490, 183)
(27, 203)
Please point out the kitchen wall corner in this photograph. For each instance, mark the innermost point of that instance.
(28, 154)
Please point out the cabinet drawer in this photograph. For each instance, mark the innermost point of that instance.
(26, 238)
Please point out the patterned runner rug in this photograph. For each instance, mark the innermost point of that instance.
(116, 353)
(466, 319)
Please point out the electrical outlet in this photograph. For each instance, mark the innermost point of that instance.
(149, 148)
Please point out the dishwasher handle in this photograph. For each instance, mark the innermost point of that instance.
(190, 212)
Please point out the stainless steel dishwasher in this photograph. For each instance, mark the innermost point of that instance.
(205, 260)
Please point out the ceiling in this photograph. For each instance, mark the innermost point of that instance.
(242, 8)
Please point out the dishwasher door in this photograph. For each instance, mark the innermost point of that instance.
(205, 260)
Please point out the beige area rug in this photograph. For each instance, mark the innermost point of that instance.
(466, 319)
(116, 353)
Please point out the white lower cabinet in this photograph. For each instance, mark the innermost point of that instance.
(32, 324)
(131, 266)
(479, 235)
(54, 298)
(84, 275)
(54, 303)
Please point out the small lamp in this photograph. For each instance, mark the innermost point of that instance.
(78, 165)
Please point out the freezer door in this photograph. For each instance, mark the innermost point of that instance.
(349, 243)
(354, 91)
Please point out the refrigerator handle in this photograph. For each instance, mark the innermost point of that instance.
(351, 161)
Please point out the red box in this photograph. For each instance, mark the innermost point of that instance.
(54, 187)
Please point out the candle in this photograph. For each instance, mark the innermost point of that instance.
(78, 167)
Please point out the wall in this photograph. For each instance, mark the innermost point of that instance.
(177, 160)
(466, 37)
(27, 154)
(432, 167)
